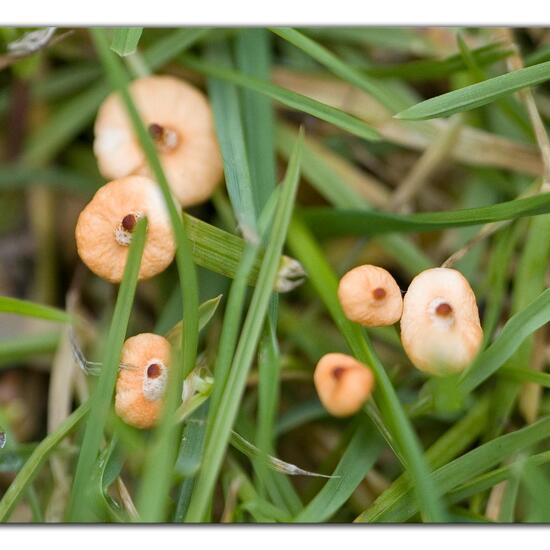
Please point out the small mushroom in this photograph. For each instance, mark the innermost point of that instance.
(343, 383)
(440, 328)
(370, 296)
(141, 382)
(180, 122)
(104, 228)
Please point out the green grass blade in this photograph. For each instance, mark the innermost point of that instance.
(469, 465)
(338, 67)
(30, 309)
(358, 458)
(223, 417)
(478, 94)
(325, 282)
(125, 40)
(453, 442)
(286, 97)
(12, 351)
(230, 132)
(39, 456)
(102, 396)
(156, 478)
(330, 185)
(428, 69)
(253, 57)
(518, 327)
(327, 222)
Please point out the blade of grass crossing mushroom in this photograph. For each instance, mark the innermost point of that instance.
(50, 137)
(291, 99)
(325, 283)
(38, 458)
(152, 496)
(335, 222)
(223, 413)
(478, 94)
(31, 309)
(359, 457)
(102, 395)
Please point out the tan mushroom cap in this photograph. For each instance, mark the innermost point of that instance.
(343, 383)
(102, 240)
(440, 328)
(370, 296)
(180, 119)
(142, 378)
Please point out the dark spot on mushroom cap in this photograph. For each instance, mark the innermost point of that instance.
(156, 131)
(338, 372)
(129, 222)
(379, 293)
(154, 370)
(444, 309)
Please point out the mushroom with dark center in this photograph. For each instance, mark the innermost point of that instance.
(444, 309)
(165, 138)
(338, 372)
(154, 370)
(129, 222)
(379, 293)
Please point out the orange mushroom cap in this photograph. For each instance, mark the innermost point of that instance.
(141, 382)
(180, 121)
(370, 296)
(343, 383)
(440, 328)
(104, 228)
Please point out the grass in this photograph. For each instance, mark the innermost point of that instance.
(318, 129)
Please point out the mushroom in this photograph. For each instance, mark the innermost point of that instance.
(440, 328)
(370, 296)
(141, 382)
(104, 228)
(343, 383)
(180, 122)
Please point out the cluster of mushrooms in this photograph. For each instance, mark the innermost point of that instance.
(440, 329)
(180, 121)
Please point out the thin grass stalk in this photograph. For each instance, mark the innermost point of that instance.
(156, 477)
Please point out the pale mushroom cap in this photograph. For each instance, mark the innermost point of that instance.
(440, 344)
(139, 393)
(193, 168)
(100, 220)
(370, 296)
(343, 383)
